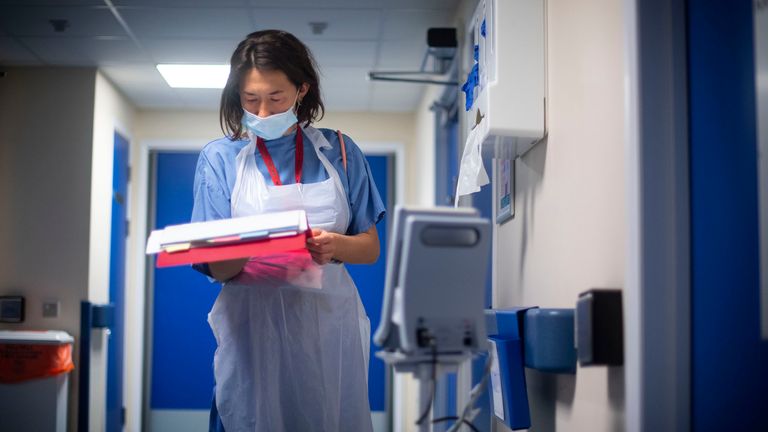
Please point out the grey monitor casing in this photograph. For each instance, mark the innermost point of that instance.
(434, 287)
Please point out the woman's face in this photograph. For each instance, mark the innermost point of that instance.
(265, 92)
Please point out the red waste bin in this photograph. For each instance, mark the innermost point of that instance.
(34, 372)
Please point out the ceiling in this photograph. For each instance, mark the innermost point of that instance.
(127, 38)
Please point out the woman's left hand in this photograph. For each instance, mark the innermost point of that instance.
(322, 245)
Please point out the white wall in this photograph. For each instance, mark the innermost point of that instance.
(568, 233)
(46, 141)
(56, 141)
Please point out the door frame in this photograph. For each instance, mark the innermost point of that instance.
(657, 275)
(138, 304)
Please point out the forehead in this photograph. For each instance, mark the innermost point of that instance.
(257, 81)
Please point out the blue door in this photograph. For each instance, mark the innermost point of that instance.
(729, 360)
(119, 228)
(182, 344)
(370, 283)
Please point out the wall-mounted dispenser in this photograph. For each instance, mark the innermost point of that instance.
(505, 86)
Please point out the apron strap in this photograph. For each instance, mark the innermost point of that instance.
(343, 149)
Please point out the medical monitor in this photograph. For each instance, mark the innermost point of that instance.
(434, 286)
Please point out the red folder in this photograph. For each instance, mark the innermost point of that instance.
(233, 251)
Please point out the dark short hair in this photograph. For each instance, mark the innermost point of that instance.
(270, 50)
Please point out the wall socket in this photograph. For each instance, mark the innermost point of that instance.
(50, 309)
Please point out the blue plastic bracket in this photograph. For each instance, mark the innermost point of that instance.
(505, 331)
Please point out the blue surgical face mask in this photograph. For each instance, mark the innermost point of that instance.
(271, 127)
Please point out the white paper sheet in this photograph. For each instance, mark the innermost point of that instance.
(498, 396)
(295, 220)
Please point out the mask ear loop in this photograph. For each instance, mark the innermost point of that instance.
(298, 101)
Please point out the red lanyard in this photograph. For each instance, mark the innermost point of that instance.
(271, 164)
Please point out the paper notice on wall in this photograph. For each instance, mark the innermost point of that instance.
(498, 396)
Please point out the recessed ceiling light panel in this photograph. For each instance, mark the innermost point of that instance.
(194, 76)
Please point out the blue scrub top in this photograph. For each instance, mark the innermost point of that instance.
(217, 171)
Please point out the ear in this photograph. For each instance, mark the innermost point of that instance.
(303, 90)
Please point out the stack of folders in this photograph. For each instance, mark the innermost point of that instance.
(226, 239)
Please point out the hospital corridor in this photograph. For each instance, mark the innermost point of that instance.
(383, 215)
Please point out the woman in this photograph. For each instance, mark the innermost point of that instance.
(292, 334)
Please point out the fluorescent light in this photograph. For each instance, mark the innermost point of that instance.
(194, 76)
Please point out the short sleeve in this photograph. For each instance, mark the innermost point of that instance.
(211, 198)
(366, 205)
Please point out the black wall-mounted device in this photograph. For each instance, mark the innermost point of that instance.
(11, 309)
(600, 328)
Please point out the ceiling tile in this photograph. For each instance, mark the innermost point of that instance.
(83, 21)
(443, 5)
(145, 75)
(396, 97)
(142, 85)
(13, 52)
(85, 51)
(362, 35)
(180, 3)
(216, 51)
(341, 102)
(151, 100)
(345, 88)
(207, 99)
(346, 53)
(342, 24)
(314, 4)
(344, 80)
(149, 23)
(401, 55)
(413, 24)
(51, 2)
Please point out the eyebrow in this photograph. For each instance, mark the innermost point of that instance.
(274, 93)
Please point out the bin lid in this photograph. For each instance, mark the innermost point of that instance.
(53, 337)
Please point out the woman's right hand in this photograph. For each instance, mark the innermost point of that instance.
(223, 271)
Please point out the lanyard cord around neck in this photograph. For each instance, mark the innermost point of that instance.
(299, 159)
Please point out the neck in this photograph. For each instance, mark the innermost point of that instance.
(290, 130)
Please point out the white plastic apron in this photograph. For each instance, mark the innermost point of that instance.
(290, 356)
